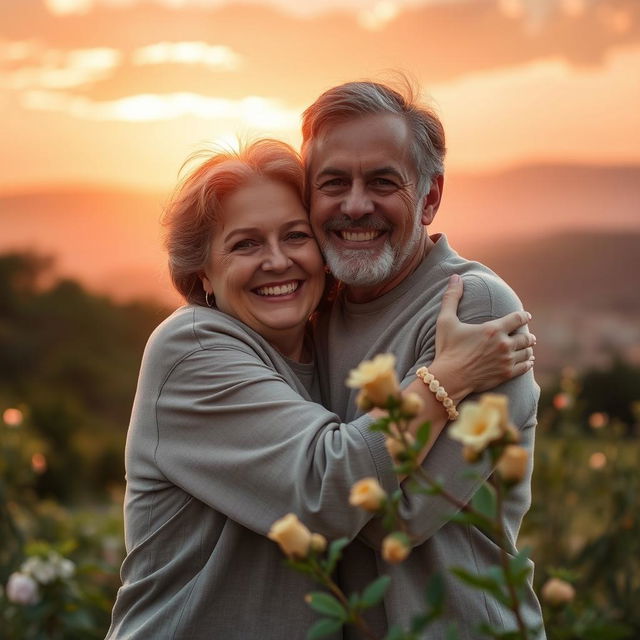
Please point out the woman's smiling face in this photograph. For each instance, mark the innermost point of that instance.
(264, 265)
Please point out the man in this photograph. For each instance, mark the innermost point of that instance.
(375, 170)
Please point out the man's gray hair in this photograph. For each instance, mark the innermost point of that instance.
(357, 99)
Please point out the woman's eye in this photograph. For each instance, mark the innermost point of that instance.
(298, 235)
(244, 244)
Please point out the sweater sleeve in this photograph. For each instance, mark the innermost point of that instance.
(233, 433)
(485, 298)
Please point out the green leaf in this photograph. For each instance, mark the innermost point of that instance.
(326, 604)
(395, 633)
(484, 501)
(424, 431)
(375, 591)
(323, 628)
(335, 553)
(435, 591)
(481, 582)
(452, 632)
(520, 566)
(483, 523)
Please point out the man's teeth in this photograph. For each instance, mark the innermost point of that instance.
(359, 236)
(278, 290)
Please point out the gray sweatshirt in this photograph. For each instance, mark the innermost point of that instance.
(403, 322)
(223, 441)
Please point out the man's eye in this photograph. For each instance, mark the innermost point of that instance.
(333, 184)
(384, 183)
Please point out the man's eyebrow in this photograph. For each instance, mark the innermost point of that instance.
(388, 170)
(377, 171)
(331, 171)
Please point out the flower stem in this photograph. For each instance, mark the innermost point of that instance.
(504, 560)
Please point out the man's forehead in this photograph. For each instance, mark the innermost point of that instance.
(367, 143)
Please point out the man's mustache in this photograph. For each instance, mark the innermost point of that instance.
(370, 222)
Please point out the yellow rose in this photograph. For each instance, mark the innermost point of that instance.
(395, 447)
(411, 403)
(500, 403)
(367, 494)
(291, 535)
(477, 426)
(512, 464)
(318, 542)
(557, 592)
(395, 548)
(377, 378)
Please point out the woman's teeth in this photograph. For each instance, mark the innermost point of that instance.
(359, 236)
(278, 290)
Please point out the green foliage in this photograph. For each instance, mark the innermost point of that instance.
(327, 605)
(374, 592)
(70, 359)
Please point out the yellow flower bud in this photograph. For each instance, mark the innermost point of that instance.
(395, 447)
(411, 403)
(512, 465)
(367, 494)
(318, 542)
(395, 548)
(291, 535)
(557, 592)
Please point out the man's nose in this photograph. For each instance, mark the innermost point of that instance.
(276, 258)
(357, 202)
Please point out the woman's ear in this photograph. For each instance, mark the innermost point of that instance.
(206, 283)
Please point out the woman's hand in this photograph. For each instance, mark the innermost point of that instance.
(477, 357)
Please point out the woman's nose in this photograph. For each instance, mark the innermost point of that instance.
(276, 259)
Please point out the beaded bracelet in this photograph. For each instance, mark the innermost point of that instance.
(438, 390)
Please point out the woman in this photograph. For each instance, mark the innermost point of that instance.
(225, 437)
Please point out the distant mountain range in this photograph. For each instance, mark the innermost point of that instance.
(561, 235)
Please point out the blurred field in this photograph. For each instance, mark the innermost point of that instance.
(68, 365)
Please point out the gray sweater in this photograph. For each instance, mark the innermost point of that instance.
(403, 322)
(223, 441)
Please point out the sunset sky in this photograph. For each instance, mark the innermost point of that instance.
(120, 92)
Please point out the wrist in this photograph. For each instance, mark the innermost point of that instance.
(454, 385)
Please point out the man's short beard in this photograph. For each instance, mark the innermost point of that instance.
(360, 267)
(370, 267)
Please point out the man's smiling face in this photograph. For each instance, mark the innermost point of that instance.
(365, 208)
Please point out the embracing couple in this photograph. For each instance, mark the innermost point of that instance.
(242, 415)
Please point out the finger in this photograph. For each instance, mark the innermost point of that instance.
(521, 367)
(513, 321)
(451, 298)
(523, 355)
(522, 341)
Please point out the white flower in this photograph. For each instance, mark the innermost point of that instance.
(477, 426)
(39, 569)
(22, 589)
